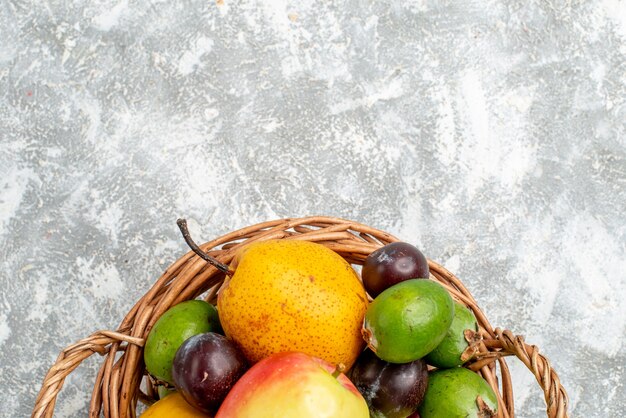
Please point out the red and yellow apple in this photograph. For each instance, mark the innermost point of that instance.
(293, 385)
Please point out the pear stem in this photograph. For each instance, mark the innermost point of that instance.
(182, 225)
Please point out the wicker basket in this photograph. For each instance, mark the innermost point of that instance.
(117, 389)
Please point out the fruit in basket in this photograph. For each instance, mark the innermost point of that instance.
(293, 296)
(390, 390)
(458, 392)
(393, 264)
(164, 391)
(408, 320)
(173, 327)
(205, 368)
(454, 349)
(173, 405)
(293, 385)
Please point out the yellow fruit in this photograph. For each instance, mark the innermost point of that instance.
(173, 405)
(294, 296)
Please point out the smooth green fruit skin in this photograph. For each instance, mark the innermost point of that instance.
(448, 353)
(452, 393)
(177, 324)
(408, 320)
(163, 391)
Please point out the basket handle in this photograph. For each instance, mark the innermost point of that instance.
(508, 344)
(513, 345)
(69, 359)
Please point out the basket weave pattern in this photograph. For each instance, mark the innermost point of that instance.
(117, 390)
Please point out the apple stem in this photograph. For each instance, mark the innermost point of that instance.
(339, 369)
(182, 225)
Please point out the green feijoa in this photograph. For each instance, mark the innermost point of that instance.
(164, 391)
(408, 320)
(448, 352)
(458, 392)
(173, 327)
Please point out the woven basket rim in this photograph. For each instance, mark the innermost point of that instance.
(117, 391)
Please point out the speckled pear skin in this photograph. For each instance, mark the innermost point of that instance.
(294, 296)
(173, 405)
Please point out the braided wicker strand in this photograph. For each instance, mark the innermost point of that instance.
(70, 358)
(555, 396)
(117, 391)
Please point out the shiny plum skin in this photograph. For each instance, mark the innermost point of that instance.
(393, 264)
(390, 390)
(206, 367)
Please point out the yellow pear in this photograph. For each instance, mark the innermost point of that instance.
(293, 296)
(173, 405)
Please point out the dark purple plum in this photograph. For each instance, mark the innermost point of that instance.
(206, 367)
(393, 264)
(391, 390)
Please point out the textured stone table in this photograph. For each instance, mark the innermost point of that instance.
(489, 133)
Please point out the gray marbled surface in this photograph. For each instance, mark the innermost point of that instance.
(489, 133)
